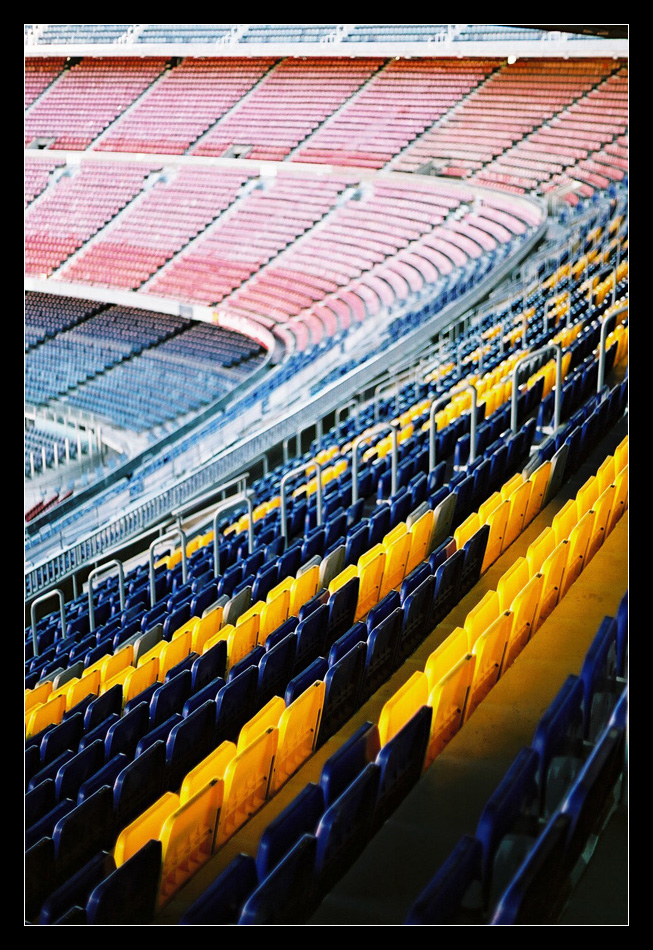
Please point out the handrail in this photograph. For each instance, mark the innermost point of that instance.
(441, 401)
(364, 436)
(62, 611)
(225, 506)
(282, 491)
(558, 387)
(174, 533)
(554, 298)
(99, 570)
(604, 332)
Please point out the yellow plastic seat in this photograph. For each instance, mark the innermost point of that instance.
(251, 611)
(86, 685)
(45, 714)
(284, 585)
(246, 783)
(241, 640)
(420, 540)
(447, 700)
(564, 520)
(620, 501)
(518, 499)
(222, 634)
(403, 705)
(488, 651)
(343, 578)
(586, 496)
(497, 520)
(445, 657)
(467, 529)
(601, 509)
(147, 826)
(188, 837)
(298, 730)
(39, 694)
(153, 653)
(606, 473)
(525, 614)
(578, 541)
(116, 662)
(206, 628)
(173, 653)
(510, 583)
(213, 766)
(371, 566)
(273, 614)
(553, 570)
(302, 589)
(267, 717)
(621, 455)
(189, 627)
(539, 550)
(140, 678)
(118, 680)
(482, 615)
(396, 557)
(511, 485)
(490, 504)
(539, 482)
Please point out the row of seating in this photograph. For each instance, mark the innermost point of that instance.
(519, 865)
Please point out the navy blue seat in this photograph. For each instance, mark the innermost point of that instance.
(44, 826)
(85, 830)
(342, 688)
(302, 680)
(558, 741)
(356, 634)
(344, 829)
(222, 901)
(416, 620)
(313, 544)
(347, 762)
(285, 895)
(435, 478)
(74, 892)
(275, 670)
(34, 778)
(39, 801)
(300, 817)
(144, 696)
(104, 776)
(282, 631)
(474, 551)
(265, 580)
(622, 636)
(311, 633)
(401, 761)
(209, 665)
(508, 824)
(77, 769)
(160, 732)
(128, 894)
(381, 652)
(446, 587)
(251, 659)
(379, 525)
(412, 580)
(40, 877)
(209, 691)
(170, 697)
(441, 553)
(317, 600)
(230, 577)
(123, 735)
(189, 742)
(204, 598)
(234, 704)
(453, 893)
(533, 895)
(139, 783)
(598, 676)
(65, 735)
(342, 607)
(290, 561)
(382, 609)
(356, 542)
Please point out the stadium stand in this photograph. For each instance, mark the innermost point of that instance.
(377, 676)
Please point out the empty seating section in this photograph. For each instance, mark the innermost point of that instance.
(185, 102)
(184, 32)
(288, 104)
(38, 439)
(39, 73)
(398, 104)
(78, 206)
(55, 33)
(565, 147)
(37, 176)
(46, 315)
(240, 692)
(286, 32)
(267, 219)
(173, 211)
(393, 32)
(88, 98)
(514, 101)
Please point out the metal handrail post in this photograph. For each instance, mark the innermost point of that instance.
(99, 570)
(364, 436)
(558, 387)
(225, 506)
(282, 491)
(50, 593)
(177, 532)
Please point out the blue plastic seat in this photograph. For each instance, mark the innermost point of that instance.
(347, 762)
(311, 633)
(85, 830)
(416, 619)
(189, 742)
(558, 741)
(285, 895)
(275, 670)
(598, 676)
(104, 776)
(342, 686)
(302, 680)
(381, 652)
(129, 893)
(234, 704)
(453, 895)
(342, 608)
(124, 734)
(209, 665)
(75, 891)
(170, 697)
(401, 761)
(222, 901)
(300, 817)
(77, 769)
(139, 783)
